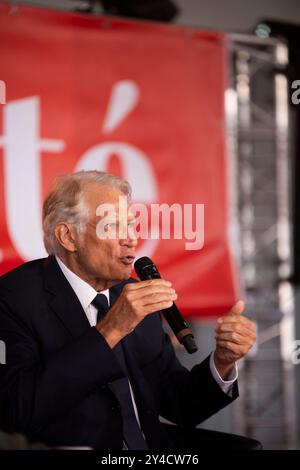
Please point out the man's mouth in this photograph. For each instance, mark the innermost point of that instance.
(127, 259)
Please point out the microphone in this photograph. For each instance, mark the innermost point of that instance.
(146, 270)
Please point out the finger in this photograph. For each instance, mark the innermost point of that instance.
(158, 297)
(237, 309)
(234, 338)
(152, 291)
(156, 307)
(142, 284)
(233, 347)
(236, 327)
(236, 319)
(144, 288)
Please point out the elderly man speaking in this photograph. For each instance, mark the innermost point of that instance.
(88, 363)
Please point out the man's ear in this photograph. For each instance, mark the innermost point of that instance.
(66, 236)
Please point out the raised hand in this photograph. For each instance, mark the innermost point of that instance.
(235, 335)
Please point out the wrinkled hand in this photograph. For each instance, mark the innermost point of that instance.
(235, 335)
(136, 301)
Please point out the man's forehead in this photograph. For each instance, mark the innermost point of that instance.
(95, 194)
(106, 201)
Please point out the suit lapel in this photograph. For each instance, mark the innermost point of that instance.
(63, 300)
(65, 304)
(156, 436)
(128, 342)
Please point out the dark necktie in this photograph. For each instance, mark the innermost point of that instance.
(101, 304)
(131, 431)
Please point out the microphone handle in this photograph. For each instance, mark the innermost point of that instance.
(177, 323)
(180, 328)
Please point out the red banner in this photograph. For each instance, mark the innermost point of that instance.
(140, 100)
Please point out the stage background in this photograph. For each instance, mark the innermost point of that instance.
(141, 100)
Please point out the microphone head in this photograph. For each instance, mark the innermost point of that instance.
(146, 269)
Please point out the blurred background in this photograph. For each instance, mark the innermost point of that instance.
(257, 115)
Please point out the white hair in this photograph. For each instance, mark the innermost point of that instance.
(65, 202)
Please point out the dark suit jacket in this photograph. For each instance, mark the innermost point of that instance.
(55, 386)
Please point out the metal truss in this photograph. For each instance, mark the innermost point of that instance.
(257, 130)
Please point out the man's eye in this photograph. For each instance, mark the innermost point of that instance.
(110, 226)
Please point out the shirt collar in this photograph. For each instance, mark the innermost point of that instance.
(84, 291)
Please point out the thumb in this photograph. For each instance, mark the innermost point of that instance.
(238, 308)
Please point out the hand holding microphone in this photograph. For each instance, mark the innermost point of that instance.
(137, 300)
(146, 270)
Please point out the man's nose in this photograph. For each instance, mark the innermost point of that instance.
(130, 240)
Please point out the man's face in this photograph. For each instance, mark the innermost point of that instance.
(104, 261)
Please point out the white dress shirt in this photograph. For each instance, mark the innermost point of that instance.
(86, 294)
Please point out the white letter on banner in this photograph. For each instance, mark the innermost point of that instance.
(22, 174)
